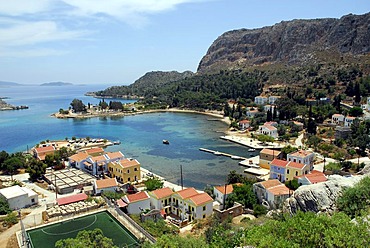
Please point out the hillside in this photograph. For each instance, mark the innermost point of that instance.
(3, 84)
(299, 59)
(150, 82)
(297, 42)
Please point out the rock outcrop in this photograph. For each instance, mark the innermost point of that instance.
(290, 42)
(320, 197)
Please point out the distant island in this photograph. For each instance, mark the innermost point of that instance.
(56, 84)
(3, 83)
(6, 106)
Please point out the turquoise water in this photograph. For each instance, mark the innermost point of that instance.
(140, 135)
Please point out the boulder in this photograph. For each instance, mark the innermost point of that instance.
(320, 197)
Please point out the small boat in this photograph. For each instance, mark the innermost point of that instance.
(166, 142)
(251, 150)
(117, 142)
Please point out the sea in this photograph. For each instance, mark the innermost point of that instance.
(140, 135)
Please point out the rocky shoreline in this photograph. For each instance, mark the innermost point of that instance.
(217, 115)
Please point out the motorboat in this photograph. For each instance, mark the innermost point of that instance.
(166, 142)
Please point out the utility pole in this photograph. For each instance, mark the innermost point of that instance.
(182, 180)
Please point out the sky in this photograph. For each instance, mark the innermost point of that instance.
(114, 42)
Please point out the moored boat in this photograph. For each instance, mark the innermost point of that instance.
(166, 142)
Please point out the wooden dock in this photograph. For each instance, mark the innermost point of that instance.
(217, 153)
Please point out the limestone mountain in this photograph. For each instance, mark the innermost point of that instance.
(296, 42)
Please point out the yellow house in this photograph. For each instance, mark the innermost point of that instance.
(266, 157)
(294, 169)
(125, 170)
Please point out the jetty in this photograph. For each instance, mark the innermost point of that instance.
(217, 153)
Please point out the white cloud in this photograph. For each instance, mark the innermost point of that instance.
(30, 33)
(32, 52)
(20, 7)
(133, 12)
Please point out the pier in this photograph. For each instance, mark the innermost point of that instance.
(217, 153)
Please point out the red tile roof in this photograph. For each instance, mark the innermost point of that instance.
(186, 193)
(113, 155)
(78, 157)
(295, 165)
(279, 162)
(300, 153)
(270, 152)
(201, 199)
(229, 189)
(71, 199)
(106, 183)
(316, 177)
(269, 127)
(279, 190)
(162, 193)
(95, 150)
(244, 121)
(98, 158)
(128, 163)
(121, 203)
(270, 183)
(45, 149)
(137, 197)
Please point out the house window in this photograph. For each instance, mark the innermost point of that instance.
(33, 200)
(287, 171)
(128, 179)
(296, 173)
(128, 171)
(204, 208)
(204, 216)
(135, 169)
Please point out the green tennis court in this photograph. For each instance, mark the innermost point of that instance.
(46, 236)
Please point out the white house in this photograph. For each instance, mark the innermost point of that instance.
(261, 100)
(19, 197)
(251, 113)
(103, 185)
(348, 121)
(337, 119)
(312, 178)
(272, 99)
(199, 206)
(161, 199)
(244, 124)
(268, 130)
(302, 157)
(189, 205)
(222, 192)
(272, 192)
(136, 203)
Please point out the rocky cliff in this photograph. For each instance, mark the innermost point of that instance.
(290, 42)
(319, 197)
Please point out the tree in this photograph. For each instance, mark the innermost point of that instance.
(4, 206)
(288, 149)
(243, 194)
(356, 111)
(12, 165)
(292, 184)
(87, 239)
(356, 199)
(78, 106)
(265, 138)
(11, 218)
(36, 169)
(234, 177)
(3, 156)
(153, 184)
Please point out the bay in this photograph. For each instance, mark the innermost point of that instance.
(140, 135)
